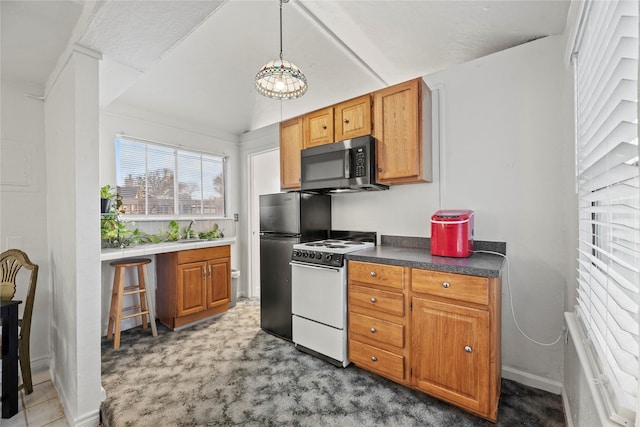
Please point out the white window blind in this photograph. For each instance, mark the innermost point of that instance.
(606, 66)
(156, 180)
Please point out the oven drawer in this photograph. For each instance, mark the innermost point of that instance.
(384, 362)
(450, 285)
(321, 338)
(377, 329)
(375, 299)
(376, 274)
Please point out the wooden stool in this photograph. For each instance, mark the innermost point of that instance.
(144, 307)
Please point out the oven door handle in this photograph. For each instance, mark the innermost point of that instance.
(315, 267)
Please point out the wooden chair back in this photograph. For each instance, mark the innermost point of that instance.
(11, 262)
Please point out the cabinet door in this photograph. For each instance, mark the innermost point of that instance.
(353, 118)
(318, 128)
(218, 283)
(191, 289)
(450, 353)
(291, 139)
(397, 128)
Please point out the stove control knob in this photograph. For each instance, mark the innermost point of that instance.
(296, 253)
(328, 257)
(305, 254)
(319, 255)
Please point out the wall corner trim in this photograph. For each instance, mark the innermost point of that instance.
(86, 51)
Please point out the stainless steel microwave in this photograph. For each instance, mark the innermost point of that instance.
(345, 166)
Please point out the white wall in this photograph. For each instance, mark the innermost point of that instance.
(503, 140)
(258, 141)
(23, 201)
(71, 125)
(156, 129)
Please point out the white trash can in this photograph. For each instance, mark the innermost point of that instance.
(235, 274)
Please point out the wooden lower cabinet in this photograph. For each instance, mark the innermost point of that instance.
(433, 331)
(378, 321)
(192, 285)
(450, 353)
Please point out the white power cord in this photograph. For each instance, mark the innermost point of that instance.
(513, 314)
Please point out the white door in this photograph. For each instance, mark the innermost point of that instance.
(264, 178)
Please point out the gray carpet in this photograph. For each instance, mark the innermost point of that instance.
(227, 371)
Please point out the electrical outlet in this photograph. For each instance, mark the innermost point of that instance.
(235, 217)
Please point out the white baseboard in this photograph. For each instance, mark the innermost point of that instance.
(91, 419)
(531, 380)
(40, 364)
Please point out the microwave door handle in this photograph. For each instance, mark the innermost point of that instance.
(347, 164)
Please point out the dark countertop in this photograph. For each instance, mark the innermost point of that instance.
(478, 264)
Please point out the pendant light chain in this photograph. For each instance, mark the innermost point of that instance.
(281, 1)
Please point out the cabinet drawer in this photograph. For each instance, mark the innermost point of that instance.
(377, 329)
(376, 274)
(450, 285)
(380, 361)
(195, 255)
(375, 299)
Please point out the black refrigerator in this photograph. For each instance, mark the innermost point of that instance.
(286, 219)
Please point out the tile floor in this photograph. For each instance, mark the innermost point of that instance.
(40, 408)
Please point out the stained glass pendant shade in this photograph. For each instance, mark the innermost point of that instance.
(279, 78)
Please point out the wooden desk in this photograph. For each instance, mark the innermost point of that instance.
(9, 313)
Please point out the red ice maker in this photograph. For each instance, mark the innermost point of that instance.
(452, 233)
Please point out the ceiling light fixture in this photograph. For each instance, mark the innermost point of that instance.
(281, 79)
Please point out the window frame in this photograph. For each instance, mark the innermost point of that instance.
(177, 151)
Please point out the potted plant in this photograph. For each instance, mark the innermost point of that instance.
(106, 197)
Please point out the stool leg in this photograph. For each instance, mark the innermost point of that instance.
(152, 314)
(143, 290)
(112, 307)
(120, 273)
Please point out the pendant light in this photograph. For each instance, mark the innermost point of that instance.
(279, 78)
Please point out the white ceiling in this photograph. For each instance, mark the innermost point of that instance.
(194, 62)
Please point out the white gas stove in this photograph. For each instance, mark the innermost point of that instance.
(319, 297)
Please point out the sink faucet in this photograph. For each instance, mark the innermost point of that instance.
(188, 229)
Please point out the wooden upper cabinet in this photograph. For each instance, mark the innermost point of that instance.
(402, 127)
(353, 118)
(291, 143)
(346, 120)
(318, 127)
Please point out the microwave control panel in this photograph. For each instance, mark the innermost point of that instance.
(360, 162)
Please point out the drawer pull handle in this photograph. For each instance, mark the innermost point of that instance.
(468, 349)
(373, 330)
(373, 274)
(445, 284)
(374, 300)
(374, 359)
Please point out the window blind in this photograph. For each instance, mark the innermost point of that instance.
(606, 72)
(157, 180)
